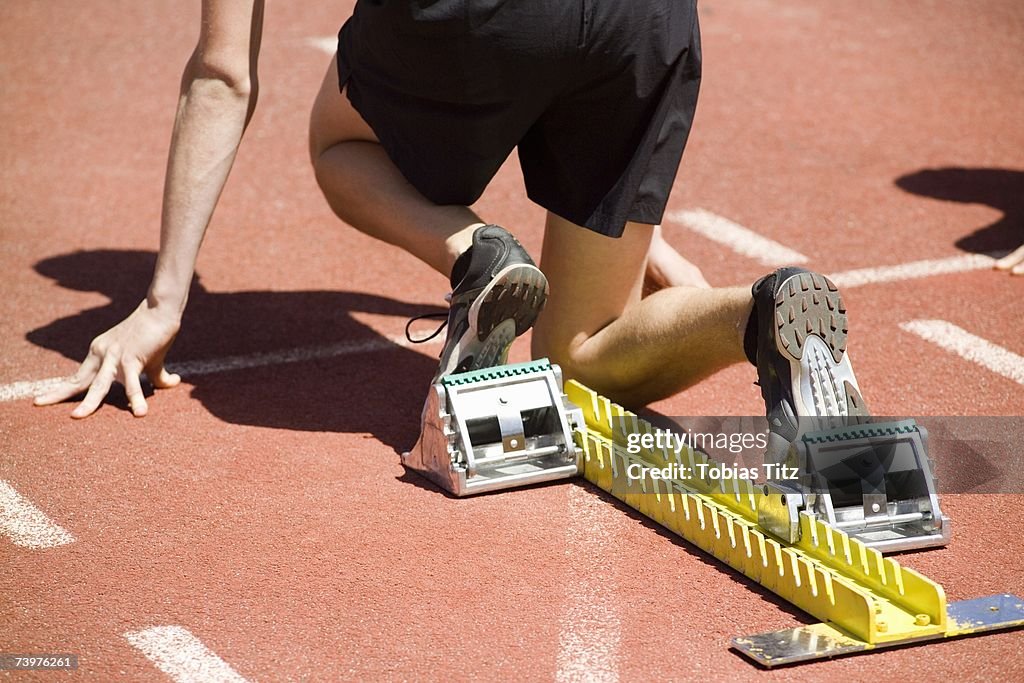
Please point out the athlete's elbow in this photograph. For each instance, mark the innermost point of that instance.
(231, 76)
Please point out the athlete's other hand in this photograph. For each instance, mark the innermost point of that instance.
(666, 267)
(137, 344)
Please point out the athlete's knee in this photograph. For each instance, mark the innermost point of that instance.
(578, 358)
(335, 186)
(317, 140)
(321, 166)
(319, 163)
(551, 342)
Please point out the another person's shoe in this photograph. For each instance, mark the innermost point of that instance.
(802, 364)
(497, 293)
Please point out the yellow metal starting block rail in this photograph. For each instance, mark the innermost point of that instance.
(864, 600)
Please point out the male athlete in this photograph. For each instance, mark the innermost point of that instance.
(420, 107)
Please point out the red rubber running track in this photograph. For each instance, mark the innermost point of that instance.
(261, 508)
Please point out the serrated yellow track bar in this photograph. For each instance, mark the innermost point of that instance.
(826, 573)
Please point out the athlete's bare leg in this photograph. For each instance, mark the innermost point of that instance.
(634, 350)
(367, 191)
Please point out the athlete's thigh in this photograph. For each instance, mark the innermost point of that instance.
(593, 280)
(333, 118)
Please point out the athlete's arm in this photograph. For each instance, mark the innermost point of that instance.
(217, 99)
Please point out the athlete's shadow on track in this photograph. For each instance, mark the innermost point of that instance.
(999, 188)
(377, 392)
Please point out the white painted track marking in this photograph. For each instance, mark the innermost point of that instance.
(15, 391)
(970, 347)
(590, 631)
(25, 524)
(741, 240)
(912, 270)
(182, 656)
(19, 390)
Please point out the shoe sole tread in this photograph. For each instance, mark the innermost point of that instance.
(809, 305)
(516, 294)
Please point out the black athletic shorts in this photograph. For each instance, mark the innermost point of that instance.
(598, 96)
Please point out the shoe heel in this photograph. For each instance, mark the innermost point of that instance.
(809, 304)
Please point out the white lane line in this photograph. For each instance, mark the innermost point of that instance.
(25, 524)
(182, 656)
(968, 346)
(15, 391)
(327, 44)
(736, 237)
(590, 630)
(19, 390)
(912, 270)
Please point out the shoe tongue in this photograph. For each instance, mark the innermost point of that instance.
(461, 267)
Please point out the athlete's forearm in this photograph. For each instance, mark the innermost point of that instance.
(218, 96)
(211, 117)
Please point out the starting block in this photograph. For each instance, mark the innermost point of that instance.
(497, 428)
(873, 481)
(865, 601)
(816, 540)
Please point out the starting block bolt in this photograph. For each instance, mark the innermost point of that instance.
(922, 620)
(882, 626)
(875, 507)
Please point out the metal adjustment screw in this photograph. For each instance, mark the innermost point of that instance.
(875, 507)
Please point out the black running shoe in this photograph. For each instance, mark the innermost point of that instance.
(802, 364)
(497, 293)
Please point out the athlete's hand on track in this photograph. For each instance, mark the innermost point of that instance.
(1013, 262)
(137, 344)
